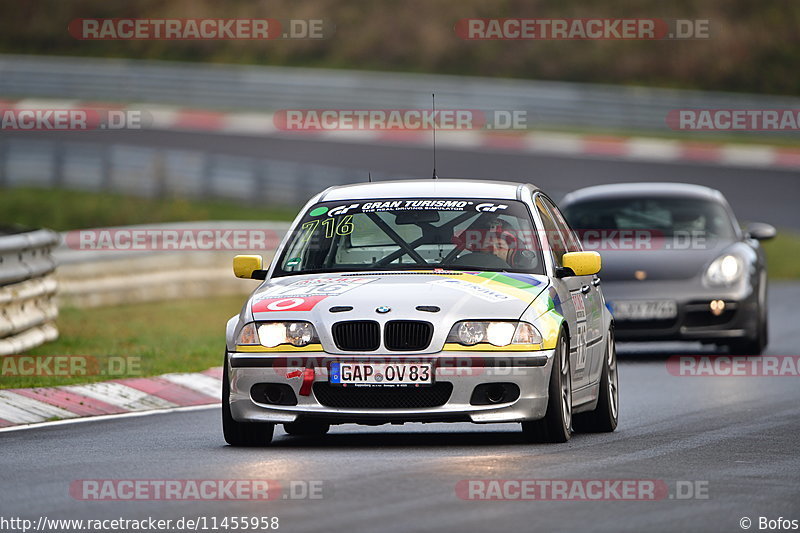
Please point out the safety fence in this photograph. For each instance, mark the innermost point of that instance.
(158, 172)
(28, 285)
(267, 88)
(103, 277)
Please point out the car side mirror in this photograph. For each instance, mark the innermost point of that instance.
(760, 231)
(581, 263)
(249, 267)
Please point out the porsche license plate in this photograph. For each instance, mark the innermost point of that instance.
(380, 374)
(644, 310)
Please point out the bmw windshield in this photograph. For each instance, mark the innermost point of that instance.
(413, 234)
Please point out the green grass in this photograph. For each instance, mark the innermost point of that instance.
(150, 338)
(783, 255)
(62, 209)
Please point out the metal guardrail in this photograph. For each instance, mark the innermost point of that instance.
(229, 87)
(27, 290)
(94, 278)
(154, 172)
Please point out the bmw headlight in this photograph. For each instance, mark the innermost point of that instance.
(725, 270)
(272, 334)
(248, 335)
(472, 332)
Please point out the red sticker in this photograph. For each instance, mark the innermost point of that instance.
(269, 305)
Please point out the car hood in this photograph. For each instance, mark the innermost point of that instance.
(325, 298)
(665, 262)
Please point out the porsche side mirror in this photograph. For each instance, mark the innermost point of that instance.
(760, 231)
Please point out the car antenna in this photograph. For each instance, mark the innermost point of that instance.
(369, 176)
(433, 105)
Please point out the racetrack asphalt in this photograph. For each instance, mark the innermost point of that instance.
(735, 437)
(756, 194)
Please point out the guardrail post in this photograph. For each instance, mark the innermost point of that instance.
(105, 168)
(160, 171)
(207, 190)
(58, 164)
(3, 163)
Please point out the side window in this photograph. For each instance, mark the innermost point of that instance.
(571, 240)
(552, 233)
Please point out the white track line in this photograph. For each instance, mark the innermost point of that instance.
(108, 417)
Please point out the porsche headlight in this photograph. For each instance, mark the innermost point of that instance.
(472, 332)
(725, 270)
(272, 334)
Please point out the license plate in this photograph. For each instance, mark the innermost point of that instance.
(644, 310)
(381, 374)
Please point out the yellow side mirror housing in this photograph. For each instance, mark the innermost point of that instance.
(582, 263)
(245, 265)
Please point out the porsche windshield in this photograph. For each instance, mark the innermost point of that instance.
(662, 216)
(409, 234)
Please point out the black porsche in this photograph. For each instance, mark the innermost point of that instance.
(676, 264)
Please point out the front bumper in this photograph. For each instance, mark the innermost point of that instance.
(530, 371)
(694, 320)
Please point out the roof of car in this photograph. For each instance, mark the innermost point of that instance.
(426, 188)
(627, 190)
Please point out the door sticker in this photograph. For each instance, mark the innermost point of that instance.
(580, 339)
(580, 307)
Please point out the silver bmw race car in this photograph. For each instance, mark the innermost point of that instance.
(435, 300)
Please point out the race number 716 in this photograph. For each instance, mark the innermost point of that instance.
(344, 226)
